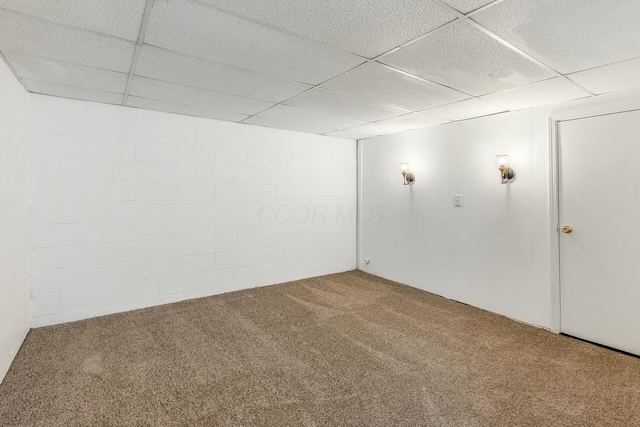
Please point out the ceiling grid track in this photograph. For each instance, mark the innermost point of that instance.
(134, 61)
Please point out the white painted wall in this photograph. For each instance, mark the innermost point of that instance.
(133, 208)
(15, 317)
(494, 252)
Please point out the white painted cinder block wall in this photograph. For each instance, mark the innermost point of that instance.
(494, 252)
(15, 317)
(133, 208)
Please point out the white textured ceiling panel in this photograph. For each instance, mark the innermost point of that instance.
(542, 93)
(202, 31)
(187, 110)
(162, 64)
(344, 105)
(120, 18)
(465, 109)
(610, 78)
(462, 57)
(567, 35)
(162, 91)
(466, 6)
(345, 134)
(412, 121)
(63, 91)
(371, 129)
(22, 33)
(291, 118)
(52, 71)
(243, 60)
(368, 28)
(382, 84)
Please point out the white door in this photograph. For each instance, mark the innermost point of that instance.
(599, 178)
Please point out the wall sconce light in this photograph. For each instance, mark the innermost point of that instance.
(407, 176)
(505, 171)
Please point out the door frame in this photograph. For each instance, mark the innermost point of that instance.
(582, 109)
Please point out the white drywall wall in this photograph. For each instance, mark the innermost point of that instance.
(15, 317)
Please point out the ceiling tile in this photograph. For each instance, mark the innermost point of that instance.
(568, 36)
(367, 28)
(162, 91)
(187, 110)
(298, 119)
(542, 93)
(37, 68)
(41, 38)
(120, 18)
(464, 58)
(466, 6)
(412, 121)
(344, 105)
(391, 87)
(162, 64)
(371, 129)
(610, 78)
(465, 109)
(202, 31)
(63, 91)
(348, 135)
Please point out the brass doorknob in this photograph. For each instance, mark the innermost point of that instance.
(567, 229)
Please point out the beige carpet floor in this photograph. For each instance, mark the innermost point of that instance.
(348, 349)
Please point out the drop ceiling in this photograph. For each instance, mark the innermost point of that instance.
(346, 68)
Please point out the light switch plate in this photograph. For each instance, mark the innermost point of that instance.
(457, 200)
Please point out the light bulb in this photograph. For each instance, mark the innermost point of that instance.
(503, 160)
(404, 167)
